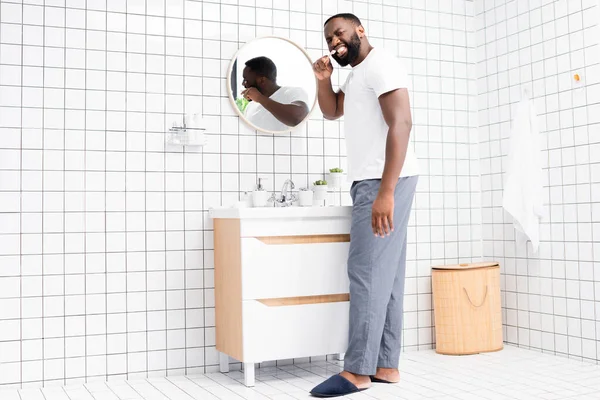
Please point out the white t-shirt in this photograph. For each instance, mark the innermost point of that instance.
(263, 118)
(365, 128)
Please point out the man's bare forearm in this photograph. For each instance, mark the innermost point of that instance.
(289, 114)
(395, 154)
(327, 99)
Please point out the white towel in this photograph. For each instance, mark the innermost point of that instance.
(523, 191)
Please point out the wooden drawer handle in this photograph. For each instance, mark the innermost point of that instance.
(296, 301)
(304, 239)
(482, 302)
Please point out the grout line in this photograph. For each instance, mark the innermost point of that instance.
(21, 218)
(43, 123)
(595, 299)
(106, 337)
(578, 300)
(64, 214)
(145, 212)
(563, 226)
(126, 252)
(85, 209)
(184, 266)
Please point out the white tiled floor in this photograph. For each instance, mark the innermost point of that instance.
(510, 374)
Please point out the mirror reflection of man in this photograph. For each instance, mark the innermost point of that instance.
(272, 107)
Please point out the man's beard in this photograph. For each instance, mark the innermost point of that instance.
(352, 51)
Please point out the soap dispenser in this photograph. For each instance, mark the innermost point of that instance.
(260, 196)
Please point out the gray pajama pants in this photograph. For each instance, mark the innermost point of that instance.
(376, 268)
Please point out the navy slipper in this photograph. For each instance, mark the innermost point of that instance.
(377, 380)
(336, 385)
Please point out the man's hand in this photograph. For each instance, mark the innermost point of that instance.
(331, 103)
(253, 94)
(323, 68)
(382, 215)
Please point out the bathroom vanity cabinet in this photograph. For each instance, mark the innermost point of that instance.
(281, 283)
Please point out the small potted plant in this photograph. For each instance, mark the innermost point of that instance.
(320, 188)
(335, 177)
(305, 197)
(241, 104)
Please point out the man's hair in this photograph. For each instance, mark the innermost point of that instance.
(263, 66)
(347, 16)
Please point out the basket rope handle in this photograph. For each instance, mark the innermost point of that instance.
(482, 302)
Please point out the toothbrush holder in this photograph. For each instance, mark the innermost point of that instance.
(306, 198)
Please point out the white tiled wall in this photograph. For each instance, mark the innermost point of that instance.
(551, 299)
(106, 261)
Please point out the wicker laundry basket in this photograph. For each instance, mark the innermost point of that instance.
(467, 307)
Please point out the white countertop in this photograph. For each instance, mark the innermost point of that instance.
(281, 212)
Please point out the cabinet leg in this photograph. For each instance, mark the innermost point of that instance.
(249, 374)
(223, 362)
(341, 356)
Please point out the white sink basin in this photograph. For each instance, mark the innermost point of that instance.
(281, 212)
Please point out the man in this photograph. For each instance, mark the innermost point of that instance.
(272, 107)
(384, 170)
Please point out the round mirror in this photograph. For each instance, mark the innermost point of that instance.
(271, 84)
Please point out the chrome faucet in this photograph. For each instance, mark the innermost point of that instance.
(286, 198)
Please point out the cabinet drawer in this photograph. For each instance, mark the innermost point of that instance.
(295, 226)
(289, 267)
(284, 332)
